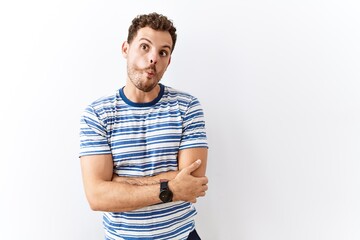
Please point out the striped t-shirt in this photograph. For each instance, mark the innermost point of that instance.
(144, 140)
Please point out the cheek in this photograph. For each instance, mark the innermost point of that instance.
(138, 62)
(164, 67)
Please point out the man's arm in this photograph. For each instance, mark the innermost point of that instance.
(103, 194)
(146, 180)
(187, 156)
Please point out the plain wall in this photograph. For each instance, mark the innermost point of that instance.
(279, 83)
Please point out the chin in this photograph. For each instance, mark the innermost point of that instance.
(146, 88)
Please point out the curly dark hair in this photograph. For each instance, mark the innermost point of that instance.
(155, 21)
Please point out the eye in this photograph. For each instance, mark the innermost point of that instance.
(144, 46)
(163, 53)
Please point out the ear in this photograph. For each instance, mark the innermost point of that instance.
(125, 49)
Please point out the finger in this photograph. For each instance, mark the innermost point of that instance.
(203, 180)
(195, 165)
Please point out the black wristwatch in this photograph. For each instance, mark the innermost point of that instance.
(166, 194)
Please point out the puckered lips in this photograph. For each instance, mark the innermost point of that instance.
(150, 73)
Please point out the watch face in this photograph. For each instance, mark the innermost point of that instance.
(166, 196)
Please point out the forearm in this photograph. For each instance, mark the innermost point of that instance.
(111, 196)
(105, 194)
(127, 193)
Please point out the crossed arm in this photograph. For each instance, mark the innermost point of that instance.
(106, 192)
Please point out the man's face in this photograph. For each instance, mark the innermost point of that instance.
(148, 56)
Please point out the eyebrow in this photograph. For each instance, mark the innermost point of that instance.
(164, 46)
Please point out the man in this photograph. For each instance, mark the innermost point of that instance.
(143, 149)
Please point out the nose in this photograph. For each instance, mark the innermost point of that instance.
(153, 58)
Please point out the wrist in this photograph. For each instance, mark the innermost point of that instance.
(172, 186)
(166, 195)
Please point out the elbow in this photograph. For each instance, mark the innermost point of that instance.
(98, 203)
(94, 202)
(94, 205)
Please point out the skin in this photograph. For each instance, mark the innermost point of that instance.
(148, 55)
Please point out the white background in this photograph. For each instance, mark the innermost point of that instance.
(279, 83)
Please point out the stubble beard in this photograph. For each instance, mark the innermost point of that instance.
(136, 76)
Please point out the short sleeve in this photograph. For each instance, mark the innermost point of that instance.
(194, 132)
(93, 137)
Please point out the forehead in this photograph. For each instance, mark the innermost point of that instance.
(155, 37)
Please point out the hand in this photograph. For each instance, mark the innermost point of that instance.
(186, 187)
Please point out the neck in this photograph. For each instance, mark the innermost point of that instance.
(138, 96)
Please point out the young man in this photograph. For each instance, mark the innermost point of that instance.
(143, 149)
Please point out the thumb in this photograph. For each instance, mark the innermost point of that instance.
(195, 165)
